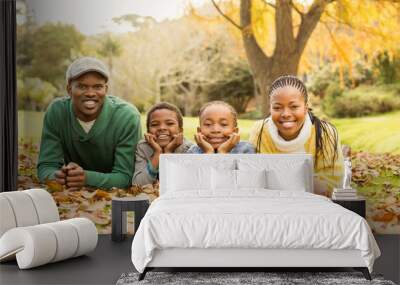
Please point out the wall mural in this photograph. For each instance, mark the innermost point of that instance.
(356, 87)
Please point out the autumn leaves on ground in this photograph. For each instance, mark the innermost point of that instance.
(91, 203)
(376, 176)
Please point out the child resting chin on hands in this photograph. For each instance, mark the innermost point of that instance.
(164, 135)
(218, 131)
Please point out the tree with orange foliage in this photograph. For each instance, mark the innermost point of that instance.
(293, 25)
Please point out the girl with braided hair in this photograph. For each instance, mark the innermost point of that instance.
(293, 128)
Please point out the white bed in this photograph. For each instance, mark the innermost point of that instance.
(228, 215)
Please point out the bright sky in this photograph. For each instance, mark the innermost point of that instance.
(95, 16)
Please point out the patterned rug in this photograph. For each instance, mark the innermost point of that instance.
(269, 278)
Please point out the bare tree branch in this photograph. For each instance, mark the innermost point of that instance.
(258, 60)
(226, 16)
(269, 4)
(296, 9)
(309, 22)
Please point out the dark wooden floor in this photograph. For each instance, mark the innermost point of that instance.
(102, 266)
(111, 259)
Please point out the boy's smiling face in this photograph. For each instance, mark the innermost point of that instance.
(216, 124)
(164, 125)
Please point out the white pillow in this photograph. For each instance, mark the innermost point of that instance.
(251, 178)
(293, 179)
(188, 177)
(226, 179)
(282, 174)
(223, 179)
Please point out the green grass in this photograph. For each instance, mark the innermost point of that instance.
(375, 134)
(30, 125)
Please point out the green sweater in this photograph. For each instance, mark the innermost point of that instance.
(106, 153)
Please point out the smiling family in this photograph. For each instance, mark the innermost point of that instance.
(95, 139)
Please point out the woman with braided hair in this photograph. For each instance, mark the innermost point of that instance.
(293, 128)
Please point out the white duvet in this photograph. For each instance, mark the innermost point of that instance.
(257, 218)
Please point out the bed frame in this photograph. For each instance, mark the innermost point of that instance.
(241, 259)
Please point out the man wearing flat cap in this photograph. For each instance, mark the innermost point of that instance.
(89, 138)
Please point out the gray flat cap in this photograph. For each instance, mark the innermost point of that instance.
(84, 65)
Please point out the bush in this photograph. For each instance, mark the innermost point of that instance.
(361, 73)
(236, 89)
(34, 94)
(387, 67)
(320, 81)
(333, 94)
(383, 68)
(362, 101)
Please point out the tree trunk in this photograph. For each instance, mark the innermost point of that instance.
(278, 67)
(288, 50)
